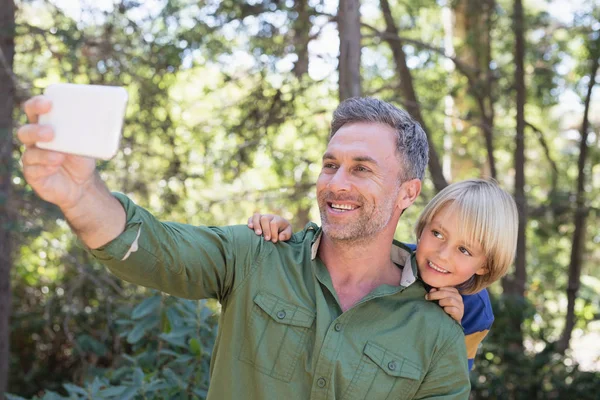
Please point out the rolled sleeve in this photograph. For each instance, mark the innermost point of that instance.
(183, 260)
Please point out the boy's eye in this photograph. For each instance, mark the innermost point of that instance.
(464, 251)
(437, 234)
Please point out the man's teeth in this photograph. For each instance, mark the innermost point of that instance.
(438, 269)
(342, 206)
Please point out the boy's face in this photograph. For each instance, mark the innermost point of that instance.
(443, 256)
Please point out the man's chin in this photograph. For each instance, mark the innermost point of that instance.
(340, 233)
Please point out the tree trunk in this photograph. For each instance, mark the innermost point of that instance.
(520, 276)
(7, 93)
(348, 20)
(473, 31)
(301, 38)
(408, 91)
(580, 213)
(514, 286)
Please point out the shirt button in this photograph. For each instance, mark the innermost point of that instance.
(321, 382)
(392, 365)
(338, 327)
(281, 314)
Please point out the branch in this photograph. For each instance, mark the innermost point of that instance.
(467, 70)
(544, 145)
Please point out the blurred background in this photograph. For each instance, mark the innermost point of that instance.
(230, 103)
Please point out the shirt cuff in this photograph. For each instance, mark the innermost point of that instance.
(127, 242)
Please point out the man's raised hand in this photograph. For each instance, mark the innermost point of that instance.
(58, 178)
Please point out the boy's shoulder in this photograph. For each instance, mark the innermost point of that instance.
(478, 314)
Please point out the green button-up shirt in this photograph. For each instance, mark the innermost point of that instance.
(282, 332)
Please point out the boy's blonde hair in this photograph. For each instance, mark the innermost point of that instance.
(488, 216)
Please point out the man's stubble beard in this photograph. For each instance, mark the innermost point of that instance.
(370, 221)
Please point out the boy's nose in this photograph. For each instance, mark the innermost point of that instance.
(444, 252)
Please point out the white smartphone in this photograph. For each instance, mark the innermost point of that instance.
(87, 119)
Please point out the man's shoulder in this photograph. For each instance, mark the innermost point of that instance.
(435, 315)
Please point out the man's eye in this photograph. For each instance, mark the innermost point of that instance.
(329, 166)
(361, 169)
(464, 251)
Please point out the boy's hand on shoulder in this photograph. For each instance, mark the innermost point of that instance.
(450, 300)
(272, 227)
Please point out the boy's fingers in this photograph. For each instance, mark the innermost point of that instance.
(35, 106)
(265, 223)
(256, 223)
(449, 301)
(274, 229)
(448, 289)
(286, 234)
(453, 312)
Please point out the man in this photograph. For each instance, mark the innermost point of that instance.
(327, 315)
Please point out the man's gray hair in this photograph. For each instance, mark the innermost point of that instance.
(411, 145)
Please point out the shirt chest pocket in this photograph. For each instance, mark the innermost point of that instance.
(383, 375)
(276, 336)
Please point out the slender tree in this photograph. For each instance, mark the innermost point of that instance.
(578, 241)
(408, 91)
(348, 20)
(514, 285)
(473, 31)
(7, 89)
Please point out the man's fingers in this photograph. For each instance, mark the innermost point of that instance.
(35, 172)
(35, 156)
(35, 106)
(33, 133)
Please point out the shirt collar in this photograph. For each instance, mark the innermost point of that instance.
(400, 255)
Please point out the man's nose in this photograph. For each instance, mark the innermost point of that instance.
(340, 181)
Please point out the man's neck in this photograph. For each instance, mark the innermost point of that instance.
(356, 268)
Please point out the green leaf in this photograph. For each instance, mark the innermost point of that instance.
(13, 397)
(173, 378)
(96, 385)
(129, 393)
(140, 329)
(195, 347)
(138, 377)
(74, 389)
(113, 391)
(146, 307)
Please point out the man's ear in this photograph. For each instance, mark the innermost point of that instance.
(409, 191)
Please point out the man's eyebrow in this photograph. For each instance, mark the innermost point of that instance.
(330, 156)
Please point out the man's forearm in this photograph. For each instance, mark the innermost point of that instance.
(98, 217)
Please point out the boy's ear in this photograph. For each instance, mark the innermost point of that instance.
(484, 270)
(409, 191)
